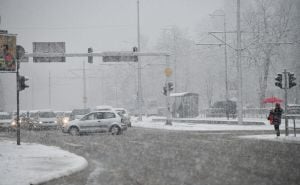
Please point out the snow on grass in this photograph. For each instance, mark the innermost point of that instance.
(31, 163)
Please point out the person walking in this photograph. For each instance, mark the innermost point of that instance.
(277, 113)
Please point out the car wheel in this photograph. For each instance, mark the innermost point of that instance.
(115, 130)
(74, 131)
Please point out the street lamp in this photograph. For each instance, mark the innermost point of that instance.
(222, 13)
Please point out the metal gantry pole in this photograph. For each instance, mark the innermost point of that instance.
(239, 65)
(285, 102)
(84, 98)
(49, 89)
(139, 93)
(169, 115)
(18, 105)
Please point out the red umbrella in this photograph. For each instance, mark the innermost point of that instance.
(272, 100)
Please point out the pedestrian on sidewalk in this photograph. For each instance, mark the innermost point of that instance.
(277, 113)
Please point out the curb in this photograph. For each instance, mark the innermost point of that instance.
(197, 121)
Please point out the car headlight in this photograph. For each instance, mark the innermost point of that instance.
(65, 120)
(40, 122)
(55, 121)
(13, 123)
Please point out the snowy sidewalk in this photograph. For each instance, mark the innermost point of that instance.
(190, 126)
(282, 138)
(148, 123)
(31, 163)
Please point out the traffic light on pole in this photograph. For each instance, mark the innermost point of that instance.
(165, 90)
(170, 86)
(90, 58)
(22, 83)
(278, 80)
(291, 79)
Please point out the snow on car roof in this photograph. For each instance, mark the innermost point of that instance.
(103, 107)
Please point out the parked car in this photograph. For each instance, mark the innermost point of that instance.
(97, 121)
(78, 113)
(219, 109)
(124, 115)
(6, 120)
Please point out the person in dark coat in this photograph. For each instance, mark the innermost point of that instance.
(271, 117)
(277, 118)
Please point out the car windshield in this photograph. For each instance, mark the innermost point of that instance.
(5, 116)
(47, 115)
(121, 111)
(80, 111)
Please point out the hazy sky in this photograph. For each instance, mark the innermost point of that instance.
(102, 24)
(105, 25)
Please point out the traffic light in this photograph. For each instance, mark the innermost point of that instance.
(291, 78)
(22, 84)
(90, 58)
(165, 90)
(278, 80)
(134, 49)
(170, 86)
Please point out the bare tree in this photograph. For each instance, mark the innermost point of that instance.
(269, 25)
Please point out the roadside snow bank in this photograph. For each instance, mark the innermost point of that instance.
(31, 163)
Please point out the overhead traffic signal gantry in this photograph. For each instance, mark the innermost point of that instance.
(278, 81)
(291, 80)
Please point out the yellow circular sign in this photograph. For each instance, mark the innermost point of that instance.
(168, 71)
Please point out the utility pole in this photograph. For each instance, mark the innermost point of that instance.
(226, 63)
(239, 64)
(226, 69)
(139, 93)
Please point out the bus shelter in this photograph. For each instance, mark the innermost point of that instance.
(185, 105)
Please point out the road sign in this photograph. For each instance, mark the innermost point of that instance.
(168, 71)
(49, 47)
(120, 58)
(7, 52)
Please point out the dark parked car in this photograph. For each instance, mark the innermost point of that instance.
(219, 109)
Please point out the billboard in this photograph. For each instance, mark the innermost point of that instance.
(7, 52)
(49, 47)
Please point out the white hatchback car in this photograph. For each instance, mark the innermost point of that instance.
(97, 121)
